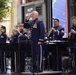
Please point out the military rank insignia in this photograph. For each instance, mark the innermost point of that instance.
(35, 26)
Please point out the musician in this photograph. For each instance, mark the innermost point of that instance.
(3, 35)
(56, 32)
(72, 34)
(72, 30)
(3, 38)
(12, 39)
(22, 33)
(14, 36)
(21, 40)
(37, 37)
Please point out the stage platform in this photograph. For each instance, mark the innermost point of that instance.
(43, 73)
(9, 74)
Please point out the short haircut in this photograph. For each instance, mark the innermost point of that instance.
(14, 29)
(56, 19)
(35, 12)
(74, 17)
(20, 25)
(3, 27)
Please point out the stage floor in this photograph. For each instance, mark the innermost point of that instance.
(41, 73)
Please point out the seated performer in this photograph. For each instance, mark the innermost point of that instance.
(14, 36)
(56, 33)
(72, 30)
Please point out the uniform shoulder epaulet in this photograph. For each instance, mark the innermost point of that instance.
(39, 21)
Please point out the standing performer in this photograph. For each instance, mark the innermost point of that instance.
(37, 37)
(3, 38)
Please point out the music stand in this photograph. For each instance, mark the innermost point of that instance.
(72, 44)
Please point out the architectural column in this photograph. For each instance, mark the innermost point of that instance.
(48, 14)
(13, 15)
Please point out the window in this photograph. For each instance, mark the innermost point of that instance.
(59, 10)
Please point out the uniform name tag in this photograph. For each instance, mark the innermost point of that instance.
(35, 26)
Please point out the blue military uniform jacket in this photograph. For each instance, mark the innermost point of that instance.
(19, 37)
(74, 28)
(37, 30)
(58, 34)
(22, 36)
(3, 37)
(14, 38)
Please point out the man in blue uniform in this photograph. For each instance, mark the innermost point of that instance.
(21, 40)
(56, 32)
(14, 36)
(22, 33)
(3, 35)
(13, 39)
(72, 30)
(3, 38)
(37, 37)
(72, 36)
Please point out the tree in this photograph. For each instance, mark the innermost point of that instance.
(4, 9)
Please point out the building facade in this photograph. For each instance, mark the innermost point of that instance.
(48, 9)
(27, 7)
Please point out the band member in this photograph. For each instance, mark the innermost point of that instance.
(3, 35)
(14, 36)
(22, 33)
(37, 37)
(12, 39)
(3, 38)
(56, 32)
(72, 30)
(72, 34)
(22, 46)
